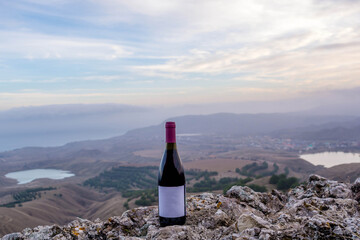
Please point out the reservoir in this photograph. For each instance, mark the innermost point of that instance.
(330, 159)
(29, 175)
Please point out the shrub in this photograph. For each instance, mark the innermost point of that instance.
(283, 182)
(257, 188)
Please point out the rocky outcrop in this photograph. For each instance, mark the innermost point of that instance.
(321, 209)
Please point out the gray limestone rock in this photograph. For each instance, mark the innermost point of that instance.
(320, 209)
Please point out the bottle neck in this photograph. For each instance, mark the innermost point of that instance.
(170, 146)
(170, 135)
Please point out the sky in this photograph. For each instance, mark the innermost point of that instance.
(158, 52)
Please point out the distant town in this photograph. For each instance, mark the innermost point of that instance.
(271, 143)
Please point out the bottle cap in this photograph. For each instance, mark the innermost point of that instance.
(170, 125)
(170, 132)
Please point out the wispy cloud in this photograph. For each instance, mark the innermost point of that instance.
(308, 60)
(16, 81)
(195, 51)
(42, 46)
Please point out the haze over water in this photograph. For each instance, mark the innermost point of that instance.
(330, 159)
(84, 70)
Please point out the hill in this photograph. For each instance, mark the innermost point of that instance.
(61, 206)
(239, 124)
(343, 172)
(331, 131)
(213, 133)
(319, 209)
(218, 142)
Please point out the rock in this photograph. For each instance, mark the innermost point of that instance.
(316, 178)
(177, 232)
(264, 202)
(13, 236)
(320, 209)
(355, 188)
(250, 220)
(321, 187)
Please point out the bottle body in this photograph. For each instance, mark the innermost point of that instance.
(171, 184)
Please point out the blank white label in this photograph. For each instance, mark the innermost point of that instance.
(171, 201)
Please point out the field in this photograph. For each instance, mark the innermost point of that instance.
(226, 162)
(71, 199)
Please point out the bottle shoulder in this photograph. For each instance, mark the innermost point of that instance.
(171, 172)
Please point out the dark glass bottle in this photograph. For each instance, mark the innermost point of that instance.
(171, 183)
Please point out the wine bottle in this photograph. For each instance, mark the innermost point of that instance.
(171, 183)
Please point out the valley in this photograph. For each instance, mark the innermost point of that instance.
(215, 159)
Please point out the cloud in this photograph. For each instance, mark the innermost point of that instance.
(16, 81)
(42, 46)
(307, 60)
(133, 96)
(247, 49)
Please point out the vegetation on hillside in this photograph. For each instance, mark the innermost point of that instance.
(257, 170)
(210, 184)
(257, 188)
(26, 196)
(140, 183)
(124, 178)
(283, 182)
(137, 182)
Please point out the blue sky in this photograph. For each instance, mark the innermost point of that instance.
(157, 52)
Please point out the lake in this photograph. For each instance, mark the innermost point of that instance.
(330, 159)
(29, 175)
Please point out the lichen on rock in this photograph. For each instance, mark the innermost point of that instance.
(320, 209)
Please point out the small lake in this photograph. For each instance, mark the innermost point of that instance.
(330, 159)
(188, 134)
(29, 175)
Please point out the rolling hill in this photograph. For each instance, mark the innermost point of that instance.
(239, 124)
(215, 143)
(343, 172)
(60, 206)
